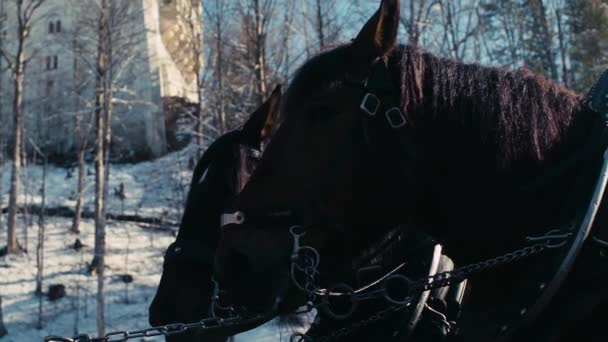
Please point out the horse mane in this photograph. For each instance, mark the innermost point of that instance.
(521, 112)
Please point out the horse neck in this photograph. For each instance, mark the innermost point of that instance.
(509, 118)
(482, 133)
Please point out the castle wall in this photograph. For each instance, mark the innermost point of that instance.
(60, 83)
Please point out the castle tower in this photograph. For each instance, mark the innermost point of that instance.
(154, 59)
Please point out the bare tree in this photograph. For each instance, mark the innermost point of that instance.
(24, 14)
(415, 18)
(40, 242)
(1, 176)
(539, 38)
(118, 46)
(2, 134)
(458, 20)
(284, 56)
(215, 16)
(3, 331)
(101, 117)
(82, 125)
(2, 72)
(563, 52)
(503, 30)
(81, 132)
(588, 35)
(326, 22)
(256, 20)
(25, 179)
(190, 23)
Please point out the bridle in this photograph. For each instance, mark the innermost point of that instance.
(197, 251)
(379, 97)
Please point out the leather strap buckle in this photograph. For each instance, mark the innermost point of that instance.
(395, 118)
(370, 104)
(233, 218)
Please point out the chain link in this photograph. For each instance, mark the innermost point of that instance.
(306, 259)
(163, 330)
(439, 280)
(448, 278)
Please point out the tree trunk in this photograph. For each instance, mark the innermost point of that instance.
(220, 72)
(543, 44)
(100, 155)
(195, 15)
(413, 23)
(80, 190)
(1, 112)
(26, 193)
(320, 26)
(562, 47)
(12, 243)
(260, 51)
(3, 331)
(40, 245)
(1, 173)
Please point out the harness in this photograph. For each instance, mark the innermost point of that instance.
(202, 251)
(379, 113)
(437, 309)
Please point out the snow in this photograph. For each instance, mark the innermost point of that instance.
(152, 189)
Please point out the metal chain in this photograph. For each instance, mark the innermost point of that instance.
(346, 331)
(163, 330)
(439, 280)
(306, 259)
(448, 278)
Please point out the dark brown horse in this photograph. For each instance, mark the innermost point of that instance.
(185, 288)
(377, 135)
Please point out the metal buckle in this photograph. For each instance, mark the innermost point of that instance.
(237, 217)
(370, 104)
(395, 118)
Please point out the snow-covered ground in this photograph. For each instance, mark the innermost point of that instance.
(152, 189)
(155, 188)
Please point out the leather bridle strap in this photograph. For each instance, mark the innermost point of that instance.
(305, 214)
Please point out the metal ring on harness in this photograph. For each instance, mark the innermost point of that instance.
(404, 289)
(339, 290)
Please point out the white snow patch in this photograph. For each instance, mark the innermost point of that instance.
(156, 189)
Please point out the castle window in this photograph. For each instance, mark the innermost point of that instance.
(51, 27)
(58, 26)
(51, 62)
(49, 87)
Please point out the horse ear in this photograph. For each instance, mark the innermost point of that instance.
(260, 124)
(379, 35)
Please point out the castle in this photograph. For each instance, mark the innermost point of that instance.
(156, 55)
